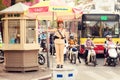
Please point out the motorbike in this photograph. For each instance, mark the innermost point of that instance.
(73, 54)
(91, 58)
(113, 55)
(41, 58)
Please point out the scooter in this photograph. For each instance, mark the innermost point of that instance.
(73, 54)
(113, 55)
(91, 58)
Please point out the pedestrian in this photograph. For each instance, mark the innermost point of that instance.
(52, 45)
(106, 32)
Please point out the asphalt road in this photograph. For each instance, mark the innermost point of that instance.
(89, 72)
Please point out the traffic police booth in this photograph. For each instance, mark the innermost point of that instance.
(20, 39)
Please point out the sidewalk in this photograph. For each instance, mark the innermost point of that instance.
(43, 72)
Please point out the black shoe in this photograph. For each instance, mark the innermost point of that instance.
(96, 63)
(79, 61)
(53, 54)
(105, 65)
(61, 66)
(86, 63)
(58, 66)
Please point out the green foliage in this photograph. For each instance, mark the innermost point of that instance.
(54, 24)
(2, 6)
(29, 0)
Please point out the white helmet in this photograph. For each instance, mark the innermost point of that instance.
(109, 36)
(71, 35)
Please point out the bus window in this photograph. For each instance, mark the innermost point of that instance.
(100, 29)
(99, 25)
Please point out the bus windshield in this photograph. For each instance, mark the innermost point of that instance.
(99, 27)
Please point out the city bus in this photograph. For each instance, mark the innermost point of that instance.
(98, 26)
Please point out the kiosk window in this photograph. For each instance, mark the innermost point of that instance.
(30, 31)
(14, 31)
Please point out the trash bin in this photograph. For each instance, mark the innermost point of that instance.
(64, 74)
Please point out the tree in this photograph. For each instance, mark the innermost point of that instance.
(2, 6)
(29, 0)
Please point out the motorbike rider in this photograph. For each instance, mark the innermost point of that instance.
(88, 44)
(43, 41)
(107, 47)
(72, 41)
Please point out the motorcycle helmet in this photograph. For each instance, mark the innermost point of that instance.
(71, 36)
(109, 36)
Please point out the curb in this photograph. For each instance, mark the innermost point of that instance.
(3, 78)
(47, 77)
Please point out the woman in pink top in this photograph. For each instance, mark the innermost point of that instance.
(88, 44)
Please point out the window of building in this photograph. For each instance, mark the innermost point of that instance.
(13, 15)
